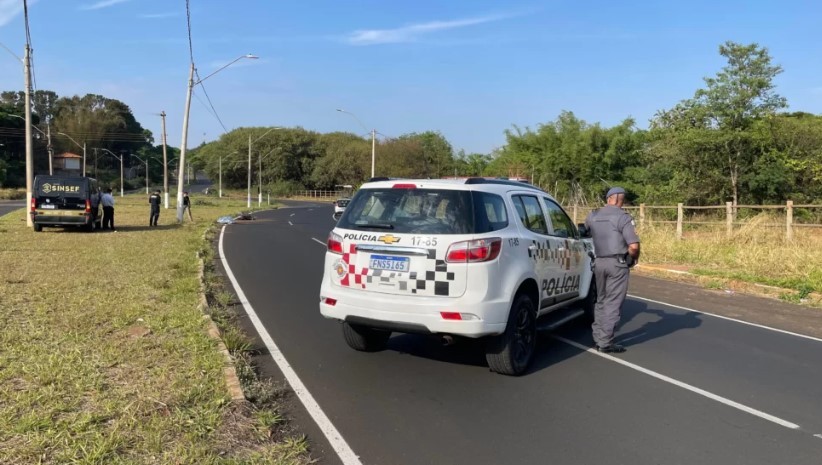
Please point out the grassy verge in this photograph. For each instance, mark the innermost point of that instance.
(104, 356)
(12, 194)
(753, 254)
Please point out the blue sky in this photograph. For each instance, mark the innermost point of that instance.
(470, 69)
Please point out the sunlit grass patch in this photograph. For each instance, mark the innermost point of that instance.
(104, 356)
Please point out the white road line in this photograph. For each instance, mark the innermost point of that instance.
(804, 336)
(319, 242)
(818, 436)
(686, 386)
(293, 214)
(341, 447)
(290, 223)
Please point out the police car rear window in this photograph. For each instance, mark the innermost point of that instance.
(424, 211)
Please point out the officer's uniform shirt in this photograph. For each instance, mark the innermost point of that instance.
(154, 200)
(107, 200)
(612, 229)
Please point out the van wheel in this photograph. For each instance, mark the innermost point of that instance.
(590, 302)
(511, 352)
(365, 339)
(38, 227)
(90, 227)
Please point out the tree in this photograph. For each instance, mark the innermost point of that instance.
(726, 110)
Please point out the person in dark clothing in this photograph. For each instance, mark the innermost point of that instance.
(154, 201)
(187, 206)
(108, 210)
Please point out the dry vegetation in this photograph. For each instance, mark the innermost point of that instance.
(104, 356)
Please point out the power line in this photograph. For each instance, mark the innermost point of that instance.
(202, 86)
(188, 22)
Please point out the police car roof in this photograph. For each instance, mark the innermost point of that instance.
(480, 184)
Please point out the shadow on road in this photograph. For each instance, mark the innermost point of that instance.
(549, 350)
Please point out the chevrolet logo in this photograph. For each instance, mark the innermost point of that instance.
(388, 239)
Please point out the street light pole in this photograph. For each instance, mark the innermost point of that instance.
(181, 164)
(81, 146)
(249, 171)
(29, 144)
(373, 138)
(121, 167)
(146, 162)
(48, 139)
(220, 188)
(165, 161)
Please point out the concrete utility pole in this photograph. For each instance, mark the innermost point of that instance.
(50, 149)
(29, 145)
(249, 170)
(165, 160)
(182, 162)
(373, 149)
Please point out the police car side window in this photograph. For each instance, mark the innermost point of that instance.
(562, 225)
(530, 213)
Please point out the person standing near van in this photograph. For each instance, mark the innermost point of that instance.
(108, 210)
(187, 205)
(154, 201)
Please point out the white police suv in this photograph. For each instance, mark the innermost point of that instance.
(472, 257)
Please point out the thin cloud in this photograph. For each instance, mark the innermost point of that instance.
(102, 4)
(9, 9)
(170, 14)
(413, 31)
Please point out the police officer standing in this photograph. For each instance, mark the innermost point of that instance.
(154, 201)
(617, 250)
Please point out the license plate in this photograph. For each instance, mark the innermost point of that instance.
(48, 206)
(390, 263)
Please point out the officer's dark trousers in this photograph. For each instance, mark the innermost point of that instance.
(108, 218)
(155, 215)
(612, 286)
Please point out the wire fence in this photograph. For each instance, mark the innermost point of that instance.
(685, 218)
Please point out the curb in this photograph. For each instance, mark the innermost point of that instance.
(232, 382)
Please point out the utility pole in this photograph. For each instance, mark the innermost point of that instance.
(373, 149)
(29, 145)
(50, 149)
(182, 162)
(95, 162)
(84, 158)
(249, 170)
(165, 160)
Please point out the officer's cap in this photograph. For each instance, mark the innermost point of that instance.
(614, 191)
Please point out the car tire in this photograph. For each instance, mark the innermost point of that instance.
(365, 339)
(38, 227)
(90, 226)
(511, 352)
(590, 302)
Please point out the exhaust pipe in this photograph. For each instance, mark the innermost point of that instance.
(447, 340)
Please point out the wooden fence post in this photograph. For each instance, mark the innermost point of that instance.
(679, 215)
(641, 215)
(729, 219)
(789, 220)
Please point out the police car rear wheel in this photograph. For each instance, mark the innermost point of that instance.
(365, 339)
(38, 227)
(511, 352)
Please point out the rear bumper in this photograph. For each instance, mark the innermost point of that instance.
(65, 218)
(415, 314)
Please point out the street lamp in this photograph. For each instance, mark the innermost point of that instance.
(250, 143)
(373, 138)
(146, 162)
(182, 163)
(81, 146)
(48, 138)
(121, 167)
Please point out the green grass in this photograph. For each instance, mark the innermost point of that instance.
(12, 194)
(104, 356)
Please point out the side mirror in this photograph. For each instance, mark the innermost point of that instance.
(583, 230)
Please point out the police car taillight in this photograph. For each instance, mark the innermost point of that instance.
(335, 243)
(33, 204)
(480, 250)
(404, 186)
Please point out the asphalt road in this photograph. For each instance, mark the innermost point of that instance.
(8, 206)
(746, 395)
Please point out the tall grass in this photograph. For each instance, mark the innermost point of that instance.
(754, 253)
